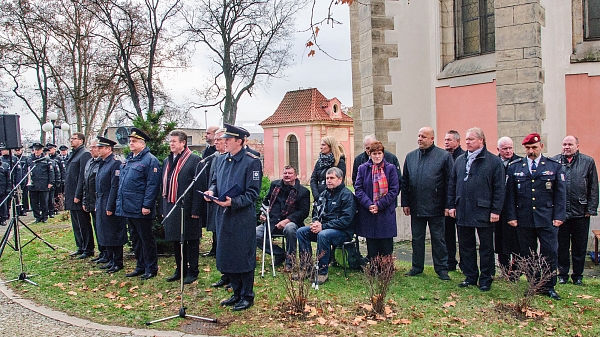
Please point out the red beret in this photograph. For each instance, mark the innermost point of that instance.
(532, 138)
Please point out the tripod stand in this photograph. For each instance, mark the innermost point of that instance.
(14, 226)
(182, 313)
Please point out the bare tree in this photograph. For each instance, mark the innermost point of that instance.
(249, 41)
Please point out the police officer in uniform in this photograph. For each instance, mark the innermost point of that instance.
(139, 185)
(110, 228)
(40, 182)
(24, 193)
(536, 204)
(236, 216)
(59, 176)
(89, 194)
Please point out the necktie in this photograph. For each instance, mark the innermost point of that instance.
(533, 167)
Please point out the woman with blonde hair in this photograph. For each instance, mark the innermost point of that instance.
(331, 155)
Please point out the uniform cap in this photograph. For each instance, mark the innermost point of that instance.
(139, 134)
(532, 138)
(63, 147)
(36, 146)
(50, 145)
(102, 141)
(232, 131)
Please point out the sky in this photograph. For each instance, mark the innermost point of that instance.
(333, 78)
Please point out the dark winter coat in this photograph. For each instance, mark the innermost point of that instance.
(506, 240)
(236, 225)
(383, 224)
(89, 184)
(582, 185)
(42, 173)
(191, 204)
(74, 176)
(336, 209)
(139, 184)
(302, 204)
(364, 157)
(425, 181)
(317, 178)
(5, 183)
(111, 229)
(211, 207)
(481, 194)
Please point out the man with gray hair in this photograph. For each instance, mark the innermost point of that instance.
(332, 224)
(452, 145)
(363, 157)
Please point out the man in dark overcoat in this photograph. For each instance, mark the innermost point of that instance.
(475, 197)
(212, 137)
(139, 184)
(536, 204)
(179, 171)
(364, 157)
(39, 183)
(236, 216)
(110, 228)
(89, 195)
(74, 176)
(452, 145)
(58, 180)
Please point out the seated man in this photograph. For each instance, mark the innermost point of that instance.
(288, 203)
(332, 224)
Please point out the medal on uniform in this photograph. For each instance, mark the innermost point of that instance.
(548, 185)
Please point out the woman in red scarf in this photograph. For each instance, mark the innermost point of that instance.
(377, 187)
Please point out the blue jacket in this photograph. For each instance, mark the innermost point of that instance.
(535, 200)
(139, 184)
(336, 209)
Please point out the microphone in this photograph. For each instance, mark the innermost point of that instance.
(207, 158)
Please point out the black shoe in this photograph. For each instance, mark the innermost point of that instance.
(114, 269)
(97, 258)
(465, 284)
(553, 295)
(242, 305)
(51, 215)
(443, 275)
(85, 256)
(174, 277)
(562, 280)
(219, 283)
(147, 276)
(413, 272)
(209, 254)
(279, 259)
(2, 223)
(230, 302)
(485, 288)
(101, 260)
(578, 282)
(23, 214)
(189, 279)
(77, 253)
(135, 273)
(107, 266)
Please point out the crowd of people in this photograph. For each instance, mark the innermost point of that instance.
(493, 204)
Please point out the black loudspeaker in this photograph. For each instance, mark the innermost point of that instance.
(10, 132)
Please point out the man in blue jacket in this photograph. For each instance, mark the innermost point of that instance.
(139, 184)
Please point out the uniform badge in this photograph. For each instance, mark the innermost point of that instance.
(117, 173)
(255, 175)
(547, 173)
(548, 185)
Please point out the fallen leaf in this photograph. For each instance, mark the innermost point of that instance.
(128, 307)
(585, 297)
(110, 295)
(401, 321)
(132, 289)
(113, 281)
(449, 304)
(321, 320)
(159, 296)
(72, 293)
(371, 322)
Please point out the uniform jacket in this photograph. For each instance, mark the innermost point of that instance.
(336, 209)
(61, 166)
(582, 185)
(16, 170)
(139, 184)
(425, 181)
(24, 162)
(110, 229)
(302, 204)
(236, 225)
(481, 194)
(364, 157)
(211, 207)
(42, 173)
(74, 176)
(317, 178)
(5, 183)
(191, 204)
(536, 200)
(505, 237)
(89, 183)
(383, 224)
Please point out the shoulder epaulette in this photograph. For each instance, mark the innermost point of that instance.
(515, 161)
(554, 160)
(252, 155)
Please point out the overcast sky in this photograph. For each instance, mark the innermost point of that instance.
(331, 77)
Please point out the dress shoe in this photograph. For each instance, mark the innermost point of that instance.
(189, 279)
(114, 269)
(77, 253)
(443, 275)
(97, 258)
(242, 305)
(2, 223)
(102, 260)
(51, 215)
(553, 295)
(135, 273)
(465, 284)
(147, 276)
(174, 277)
(85, 256)
(562, 280)
(219, 283)
(485, 288)
(578, 282)
(106, 266)
(230, 301)
(211, 253)
(413, 272)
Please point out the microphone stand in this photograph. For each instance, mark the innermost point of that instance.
(182, 308)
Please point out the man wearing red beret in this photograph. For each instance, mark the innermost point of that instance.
(536, 204)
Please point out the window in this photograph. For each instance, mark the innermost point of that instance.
(335, 109)
(474, 22)
(189, 140)
(292, 147)
(591, 22)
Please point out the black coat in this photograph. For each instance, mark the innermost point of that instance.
(191, 203)
(42, 173)
(236, 225)
(210, 207)
(582, 185)
(5, 183)
(302, 204)
(481, 194)
(74, 176)
(425, 181)
(89, 184)
(364, 157)
(336, 209)
(317, 178)
(111, 229)
(506, 240)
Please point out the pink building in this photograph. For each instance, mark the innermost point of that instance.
(293, 132)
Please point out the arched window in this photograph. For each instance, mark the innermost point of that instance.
(292, 149)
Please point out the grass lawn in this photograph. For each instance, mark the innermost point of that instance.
(417, 306)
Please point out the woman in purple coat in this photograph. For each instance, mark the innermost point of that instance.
(377, 187)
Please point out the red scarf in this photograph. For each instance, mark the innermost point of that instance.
(172, 197)
(380, 183)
